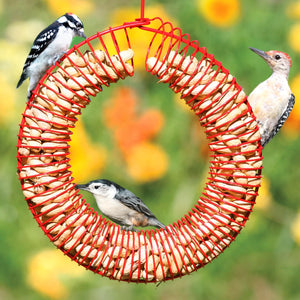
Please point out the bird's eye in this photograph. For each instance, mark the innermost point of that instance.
(277, 56)
(96, 187)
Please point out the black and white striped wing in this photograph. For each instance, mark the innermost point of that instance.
(41, 42)
(282, 119)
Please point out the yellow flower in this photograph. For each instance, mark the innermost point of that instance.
(139, 39)
(146, 162)
(46, 270)
(8, 99)
(294, 37)
(12, 59)
(295, 228)
(264, 197)
(80, 7)
(87, 159)
(222, 13)
(129, 14)
(292, 125)
(293, 10)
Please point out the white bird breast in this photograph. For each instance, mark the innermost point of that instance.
(112, 207)
(61, 43)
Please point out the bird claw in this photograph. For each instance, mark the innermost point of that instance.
(128, 228)
(58, 56)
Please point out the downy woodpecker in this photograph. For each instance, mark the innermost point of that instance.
(48, 47)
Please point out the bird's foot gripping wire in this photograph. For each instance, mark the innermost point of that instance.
(129, 228)
(58, 57)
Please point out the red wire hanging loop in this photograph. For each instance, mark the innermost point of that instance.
(222, 108)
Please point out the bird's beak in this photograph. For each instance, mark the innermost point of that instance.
(84, 187)
(261, 53)
(81, 33)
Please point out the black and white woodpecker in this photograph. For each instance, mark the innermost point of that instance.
(48, 47)
(120, 205)
(272, 100)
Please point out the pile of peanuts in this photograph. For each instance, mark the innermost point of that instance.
(92, 241)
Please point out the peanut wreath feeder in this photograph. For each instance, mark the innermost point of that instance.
(222, 108)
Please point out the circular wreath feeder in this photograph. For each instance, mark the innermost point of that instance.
(230, 126)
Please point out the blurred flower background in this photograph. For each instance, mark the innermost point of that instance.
(138, 134)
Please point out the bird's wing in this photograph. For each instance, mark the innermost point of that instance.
(132, 201)
(288, 110)
(282, 118)
(40, 43)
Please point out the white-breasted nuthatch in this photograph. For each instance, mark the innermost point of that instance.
(272, 100)
(120, 205)
(48, 47)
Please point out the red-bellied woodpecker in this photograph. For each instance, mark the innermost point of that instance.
(272, 100)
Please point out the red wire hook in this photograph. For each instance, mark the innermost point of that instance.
(142, 9)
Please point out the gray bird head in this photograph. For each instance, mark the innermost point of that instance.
(73, 22)
(278, 61)
(101, 187)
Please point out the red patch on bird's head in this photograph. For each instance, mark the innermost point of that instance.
(273, 54)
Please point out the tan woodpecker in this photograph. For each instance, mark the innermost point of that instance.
(272, 100)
